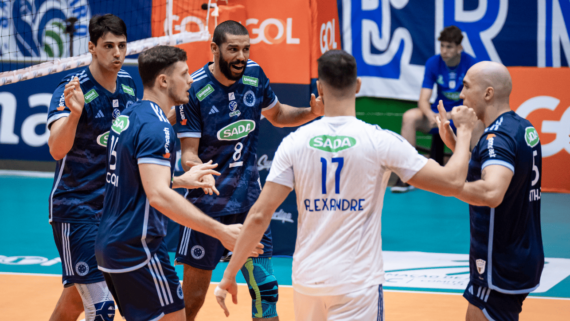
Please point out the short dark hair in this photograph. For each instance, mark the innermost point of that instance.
(451, 34)
(228, 27)
(337, 68)
(156, 60)
(101, 25)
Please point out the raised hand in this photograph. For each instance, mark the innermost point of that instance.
(74, 99)
(464, 116)
(317, 106)
(195, 177)
(443, 124)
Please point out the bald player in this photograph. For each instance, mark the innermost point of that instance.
(506, 257)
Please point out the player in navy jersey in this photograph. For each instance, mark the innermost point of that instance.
(130, 246)
(221, 123)
(503, 190)
(79, 126)
(446, 70)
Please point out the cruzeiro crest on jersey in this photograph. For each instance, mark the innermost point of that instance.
(531, 136)
(120, 124)
(237, 130)
(332, 144)
(249, 98)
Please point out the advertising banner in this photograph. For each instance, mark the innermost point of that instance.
(541, 95)
(37, 28)
(391, 40)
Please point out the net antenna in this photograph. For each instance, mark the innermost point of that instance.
(53, 66)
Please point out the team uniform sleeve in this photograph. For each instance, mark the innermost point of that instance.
(498, 149)
(430, 74)
(57, 108)
(150, 148)
(269, 97)
(396, 154)
(189, 119)
(281, 171)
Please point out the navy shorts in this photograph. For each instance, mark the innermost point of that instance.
(204, 252)
(150, 292)
(76, 246)
(495, 305)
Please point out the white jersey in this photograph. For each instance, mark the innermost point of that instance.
(339, 167)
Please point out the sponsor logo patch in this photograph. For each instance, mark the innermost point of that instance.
(128, 90)
(480, 265)
(252, 81)
(332, 144)
(90, 96)
(120, 124)
(205, 92)
(102, 139)
(531, 136)
(237, 130)
(60, 108)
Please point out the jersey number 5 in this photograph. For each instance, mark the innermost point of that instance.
(340, 162)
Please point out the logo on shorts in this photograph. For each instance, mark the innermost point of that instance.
(82, 268)
(179, 292)
(249, 98)
(197, 252)
(480, 266)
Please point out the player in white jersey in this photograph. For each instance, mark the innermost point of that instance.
(340, 167)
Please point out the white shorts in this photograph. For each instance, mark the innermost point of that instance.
(363, 305)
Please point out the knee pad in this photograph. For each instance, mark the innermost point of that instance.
(97, 301)
(263, 287)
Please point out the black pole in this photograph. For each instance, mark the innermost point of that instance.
(70, 29)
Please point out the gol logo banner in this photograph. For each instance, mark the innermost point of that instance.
(541, 95)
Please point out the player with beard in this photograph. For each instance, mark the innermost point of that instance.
(221, 123)
(130, 246)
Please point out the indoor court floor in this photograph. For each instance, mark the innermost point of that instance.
(425, 242)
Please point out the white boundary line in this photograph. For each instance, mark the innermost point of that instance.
(5, 172)
(290, 286)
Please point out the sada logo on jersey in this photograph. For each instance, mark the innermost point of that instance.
(237, 130)
(120, 124)
(102, 139)
(332, 144)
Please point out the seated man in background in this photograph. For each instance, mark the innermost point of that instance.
(447, 71)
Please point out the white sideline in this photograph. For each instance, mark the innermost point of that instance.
(290, 286)
(4, 172)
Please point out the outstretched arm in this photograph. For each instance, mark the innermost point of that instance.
(156, 183)
(282, 115)
(255, 225)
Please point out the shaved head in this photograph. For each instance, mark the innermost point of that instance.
(486, 88)
(495, 75)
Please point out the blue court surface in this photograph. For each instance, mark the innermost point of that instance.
(425, 239)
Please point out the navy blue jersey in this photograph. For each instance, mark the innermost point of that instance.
(449, 80)
(506, 253)
(226, 119)
(132, 230)
(79, 182)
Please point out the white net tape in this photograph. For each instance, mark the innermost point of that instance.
(59, 65)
